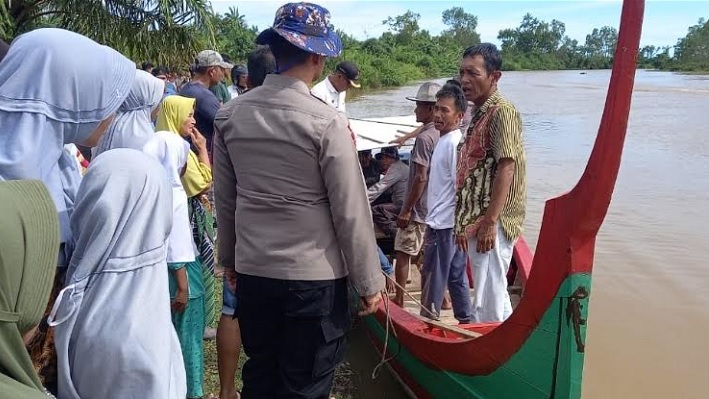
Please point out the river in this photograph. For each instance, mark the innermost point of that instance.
(648, 316)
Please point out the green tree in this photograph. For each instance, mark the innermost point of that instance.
(405, 26)
(601, 42)
(462, 27)
(160, 30)
(533, 36)
(692, 51)
(536, 44)
(233, 35)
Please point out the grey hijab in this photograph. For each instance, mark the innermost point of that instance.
(113, 328)
(133, 126)
(56, 87)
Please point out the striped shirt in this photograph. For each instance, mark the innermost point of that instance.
(494, 133)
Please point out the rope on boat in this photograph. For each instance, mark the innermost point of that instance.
(390, 324)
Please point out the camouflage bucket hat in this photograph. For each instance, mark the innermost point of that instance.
(306, 26)
(208, 58)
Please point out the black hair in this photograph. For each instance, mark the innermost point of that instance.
(225, 58)
(199, 70)
(286, 54)
(456, 93)
(160, 70)
(260, 63)
(489, 52)
(453, 82)
(146, 65)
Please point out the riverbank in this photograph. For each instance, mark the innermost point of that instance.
(350, 377)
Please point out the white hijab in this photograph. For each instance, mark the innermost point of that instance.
(171, 151)
(56, 87)
(113, 329)
(133, 126)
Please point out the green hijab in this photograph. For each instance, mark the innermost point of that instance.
(29, 243)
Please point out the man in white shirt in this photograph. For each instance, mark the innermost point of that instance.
(333, 88)
(444, 264)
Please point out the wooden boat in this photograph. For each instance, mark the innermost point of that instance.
(539, 351)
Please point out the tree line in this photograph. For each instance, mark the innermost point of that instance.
(170, 32)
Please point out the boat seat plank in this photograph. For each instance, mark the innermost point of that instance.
(447, 327)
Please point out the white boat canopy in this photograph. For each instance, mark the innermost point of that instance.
(375, 133)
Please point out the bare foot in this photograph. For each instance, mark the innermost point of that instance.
(446, 302)
(399, 300)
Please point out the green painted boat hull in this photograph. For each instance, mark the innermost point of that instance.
(548, 365)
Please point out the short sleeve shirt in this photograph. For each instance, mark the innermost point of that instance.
(421, 154)
(494, 133)
(327, 93)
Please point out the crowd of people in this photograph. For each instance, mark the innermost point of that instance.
(120, 183)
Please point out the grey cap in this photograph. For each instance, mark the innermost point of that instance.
(208, 58)
(427, 93)
(241, 70)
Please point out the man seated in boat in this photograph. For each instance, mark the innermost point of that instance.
(491, 183)
(370, 167)
(395, 180)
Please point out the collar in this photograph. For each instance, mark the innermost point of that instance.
(452, 132)
(429, 126)
(286, 82)
(494, 98)
(330, 87)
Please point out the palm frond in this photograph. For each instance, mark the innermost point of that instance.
(164, 31)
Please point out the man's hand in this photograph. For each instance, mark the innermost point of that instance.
(390, 287)
(486, 234)
(399, 141)
(403, 220)
(369, 304)
(462, 242)
(230, 276)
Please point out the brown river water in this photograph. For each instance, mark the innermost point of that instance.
(649, 311)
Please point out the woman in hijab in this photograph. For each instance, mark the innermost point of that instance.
(112, 321)
(176, 119)
(132, 126)
(52, 95)
(29, 240)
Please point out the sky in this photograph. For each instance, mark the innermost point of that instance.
(665, 20)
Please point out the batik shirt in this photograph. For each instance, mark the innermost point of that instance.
(494, 133)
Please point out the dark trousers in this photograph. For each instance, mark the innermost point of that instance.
(384, 217)
(294, 335)
(445, 265)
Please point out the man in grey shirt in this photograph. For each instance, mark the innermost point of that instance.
(286, 171)
(412, 218)
(394, 181)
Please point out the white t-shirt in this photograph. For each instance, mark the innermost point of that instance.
(326, 92)
(441, 182)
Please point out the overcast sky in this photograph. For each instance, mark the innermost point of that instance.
(665, 21)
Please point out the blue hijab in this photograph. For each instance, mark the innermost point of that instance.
(56, 87)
